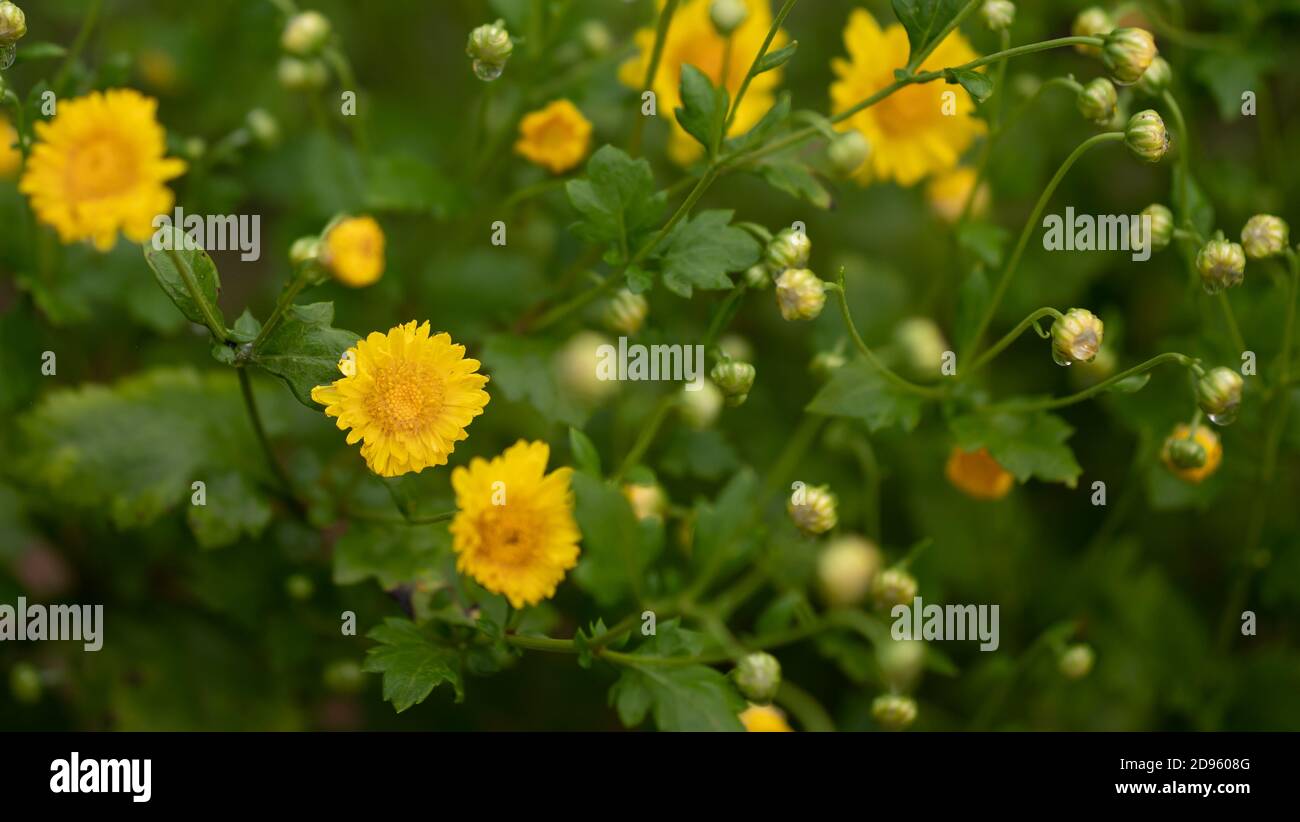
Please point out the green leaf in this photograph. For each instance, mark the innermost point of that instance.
(703, 112)
(700, 251)
(858, 391)
(409, 184)
(617, 199)
(763, 129)
(924, 20)
(392, 554)
(30, 52)
(1030, 444)
(246, 328)
(977, 84)
(681, 698)
(723, 527)
(1190, 201)
(776, 59)
(1228, 76)
(232, 508)
(304, 349)
(987, 242)
(523, 369)
(177, 266)
(585, 456)
(797, 180)
(615, 549)
(1131, 385)
(412, 664)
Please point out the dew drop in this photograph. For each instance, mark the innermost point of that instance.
(1227, 417)
(1061, 360)
(7, 54)
(487, 71)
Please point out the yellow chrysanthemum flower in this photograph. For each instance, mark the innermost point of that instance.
(947, 194)
(407, 398)
(11, 159)
(910, 134)
(353, 251)
(514, 530)
(692, 39)
(98, 168)
(764, 718)
(556, 137)
(976, 474)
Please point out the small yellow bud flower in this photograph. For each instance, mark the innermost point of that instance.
(699, 409)
(893, 712)
(788, 249)
(758, 676)
(1192, 458)
(1092, 22)
(1076, 661)
(1156, 78)
(1221, 264)
(1265, 236)
(998, 14)
(800, 295)
(977, 475)
(1162, 225)
(1076, 337)
(728, 15)
(1128, 53)
(735, 379)
(353, 251)
(894, 586)
(812, 510)
(847, 570)
(764, 718)
(1147, 137)
(305, 34)
(1097, 101)
(490, 48)
(13, 23)
(556, 137)
(1218, 393)
(625, 312)
(647, 501)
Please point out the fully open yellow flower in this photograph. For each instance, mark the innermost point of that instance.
(514, 530)
(915, 131)
(693, 40)
(976, 474)
(353, 251)
(11, 159)
(556, 137)
(407, 398)
(98, 168)
(764, 718)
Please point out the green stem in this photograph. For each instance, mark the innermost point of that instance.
(918, 58)
(646, 437)
(296, 285)
(927, 391)
(986, 150)
(807, 710)
(1105, 385)
(79, 44)
(762, 52)
(1009, 272)
(652, 69)
(1229, 318)
(723, 315)
(997, 348)
(255, 419)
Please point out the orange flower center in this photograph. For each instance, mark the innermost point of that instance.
(405, 396)
(510, 535)
(100, 168)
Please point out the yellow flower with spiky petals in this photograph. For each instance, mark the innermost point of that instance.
(514, 530)
(693, 40)
(977, 475)
(98, 168)
(353, 251)
(764, 718)
(11, 159)
(916, 131)
(407, 398)
(556, 137)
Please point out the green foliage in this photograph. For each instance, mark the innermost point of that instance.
(859, 391)
(686, 698)
(925, 21)
(701, 251)
(617, 200)
(304, 349)
(412, 664)
(1026, 444)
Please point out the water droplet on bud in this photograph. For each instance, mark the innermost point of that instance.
(487, 72)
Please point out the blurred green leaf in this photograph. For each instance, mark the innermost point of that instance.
(858, 391)
(797, 180)
(924, 21)
(681, 698)
(393, 554)
(233, 508)
(1030, 444)
(187, 275)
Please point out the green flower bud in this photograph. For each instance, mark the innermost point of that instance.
(1092, 22)
(1265, 236)
(1185, 453)
(901, 662)
(847, 570)
(1127, 54)
(922, 344)
(299, 587)
(1076, 661)
(1097, 101)
(1162, 225)
(848, 152)
(305, 34)
(625, 312)
(736, 347)
(490, 48)
(1156, 78)
(758, 277)
(728, 15)
(813, 510)
(893, 712)
(735, 379)
(25, 683)
(596, 38)
(264, 128)
(1222, 264)
(826, 363)
(758, 676)
(700, 409)
(1147, 137)
(302, 75)
(895, 587)
(576, 368)
(13, 23)
(800, 295)
(304, 250)
(344, 676)
(788, 249)
(1076, 337)
(1218, 393)
(998, 14)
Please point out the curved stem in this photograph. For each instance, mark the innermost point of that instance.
(255, 419)
(1234, 330)
(1009, 272)
(646, 437)
(1105, 385)
(762, 52)
(811, 715)
(997, 348)
(652, 69)
(894, 379)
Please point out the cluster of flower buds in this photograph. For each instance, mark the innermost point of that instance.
(1147, 137)
(1076, 337)
(998, 14)
(1218, 393)
(735, 378)
(1221, 264)
(1092, 22)
(1127, 54)
(1265, 236)
(490, 48)
(625, 312)
(304, 37)
(1097, 101)
(813, 510)
(728, 15)
(758, 676)
(893, 712)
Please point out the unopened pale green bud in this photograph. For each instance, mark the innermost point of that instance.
(302, 75)
(998, 14)
(1097, 101)
(758, 676)
(1218, 393)
(1185, 453)
(305, 34)
(848, 152)
(1265, 236)
(728, 15)
(1221, 264)
(1092, 22)
(303, 250)
(788, 249)
(700, 408)
(1128, 53)
(800, 294)
(13, 23)
(895, 586)
(758, 277)
(1162, 225)
(1076, 661)
(735, 379)
(1156, 78)
(490, 48)
(625, 312)
(893, 712)
(1147, 137)
(813, 509)
(264, 128)
(596, 38)
(922, 344)
(1076, 337)
(826, 363)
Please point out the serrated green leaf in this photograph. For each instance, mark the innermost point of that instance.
(615, 549)
(723, 528)
(186, 274)
(681, 698)
(304, 349)
(858, 391)
(701, 250)
(523, 369)
(703, 112)
(977, 84)
(924, 20)
(775, 117)
(616, 199)
(412, 664)
(987, 242)
(1028, 444)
